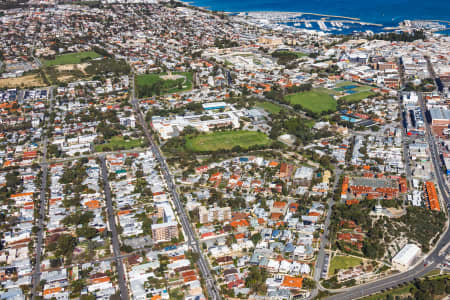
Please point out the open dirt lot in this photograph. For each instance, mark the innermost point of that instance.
(82, 67)
(32, 80)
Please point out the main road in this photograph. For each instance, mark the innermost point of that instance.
(186, 224)
(434, 258)
(112, 226)
(36, 277)
(40, 236)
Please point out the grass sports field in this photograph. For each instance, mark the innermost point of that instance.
(356, 97)
(71, 58)
(343, 263)
(357, 91)
(226, 140)
(315, 101)
(269, 107)
(118, 142)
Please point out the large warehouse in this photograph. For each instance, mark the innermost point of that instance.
(406, 257)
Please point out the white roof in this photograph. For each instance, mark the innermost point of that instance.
(407, 255)
(304, 173)
(162, 225)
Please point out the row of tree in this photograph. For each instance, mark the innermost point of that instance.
(399, 36)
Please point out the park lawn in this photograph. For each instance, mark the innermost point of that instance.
(315, 101)
(187, 84)
(226, 140)
(71, 58)
(356, 97)
(299, 54)
(168, 86)
(343, 262)
(269, 107)
(119, 143)
(147, 79)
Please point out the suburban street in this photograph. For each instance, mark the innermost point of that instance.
(324, 238)
(191, 237)
(112, 226)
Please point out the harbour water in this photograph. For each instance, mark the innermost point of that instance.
(387, 13)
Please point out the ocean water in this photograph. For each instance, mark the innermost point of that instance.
(386, 12)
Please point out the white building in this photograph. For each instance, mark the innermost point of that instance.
(406, 257)
(171, 126)
(304, 173)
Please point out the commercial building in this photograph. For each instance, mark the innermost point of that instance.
(410, 98)
(406, 257)
(414, 120)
